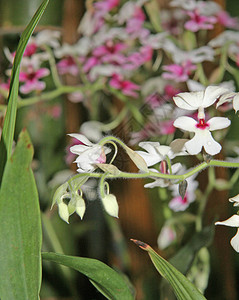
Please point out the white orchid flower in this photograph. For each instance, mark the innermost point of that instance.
(202, 130)
(156, 153)
(228, 97)
(162, 182)
(89, 154)
(199, 100)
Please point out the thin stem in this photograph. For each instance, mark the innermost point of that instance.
(53, 67)
(204, 198)
(151, 174)
(116, 121)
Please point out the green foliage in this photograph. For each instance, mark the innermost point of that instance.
(10, 119)
(106, 280)
(183, 288)
(20, 230)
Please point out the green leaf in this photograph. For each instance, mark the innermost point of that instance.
(10, 118)
(20, 230)
(110, 283)
(183, 288)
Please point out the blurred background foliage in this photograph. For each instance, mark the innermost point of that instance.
(99, 236)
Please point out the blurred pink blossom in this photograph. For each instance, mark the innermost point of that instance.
(226, 20)
(127, 87)
(135, 23)
(198, 21)
(31, 77)
(106, 5)
(67, 65)
(31, 49)
(178, 72)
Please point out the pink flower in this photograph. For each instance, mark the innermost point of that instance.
(106, 5)
(135, 23)
(166, 127)
(31, 77)
(226, 20)
(177, 72)
(90, 63)
(198, 21)
(154, 100)
(110, 52)
(68, 66)
(137, 59)
(127, 87)
(170, 91)
(30, 49)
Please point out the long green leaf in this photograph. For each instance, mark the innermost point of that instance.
(10, 118)
(106, 280)
(183, 288)
(20, 230)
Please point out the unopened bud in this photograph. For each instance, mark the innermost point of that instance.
(182, 188)
(63, 211)
(110, 204)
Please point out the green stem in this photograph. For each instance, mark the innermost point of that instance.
(53, 67)
(119, 118)
(151, 174)
(204, 198)
(56, 247)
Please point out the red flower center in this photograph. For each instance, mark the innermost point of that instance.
(202, 124)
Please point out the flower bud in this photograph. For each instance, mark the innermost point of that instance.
(63, 211)
(182, 188)
(80, 207)
(110, 204)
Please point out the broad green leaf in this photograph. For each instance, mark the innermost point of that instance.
(10, 118)
(183, 288)
(106, 280)
(20, 230)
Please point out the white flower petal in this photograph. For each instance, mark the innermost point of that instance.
(187, 100)
(149, 158)
(176, 167)
(150, 146)
(236, 102)
(194, 146)
(194, 86)
(233, 221)
(92, 129)
(152, 156)
(81, 138)
(225, 98)
(235, 241)
(211, 94)
(210, 145)
(218, 123)
(185, 123)
(78, 149)
(235, 199)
